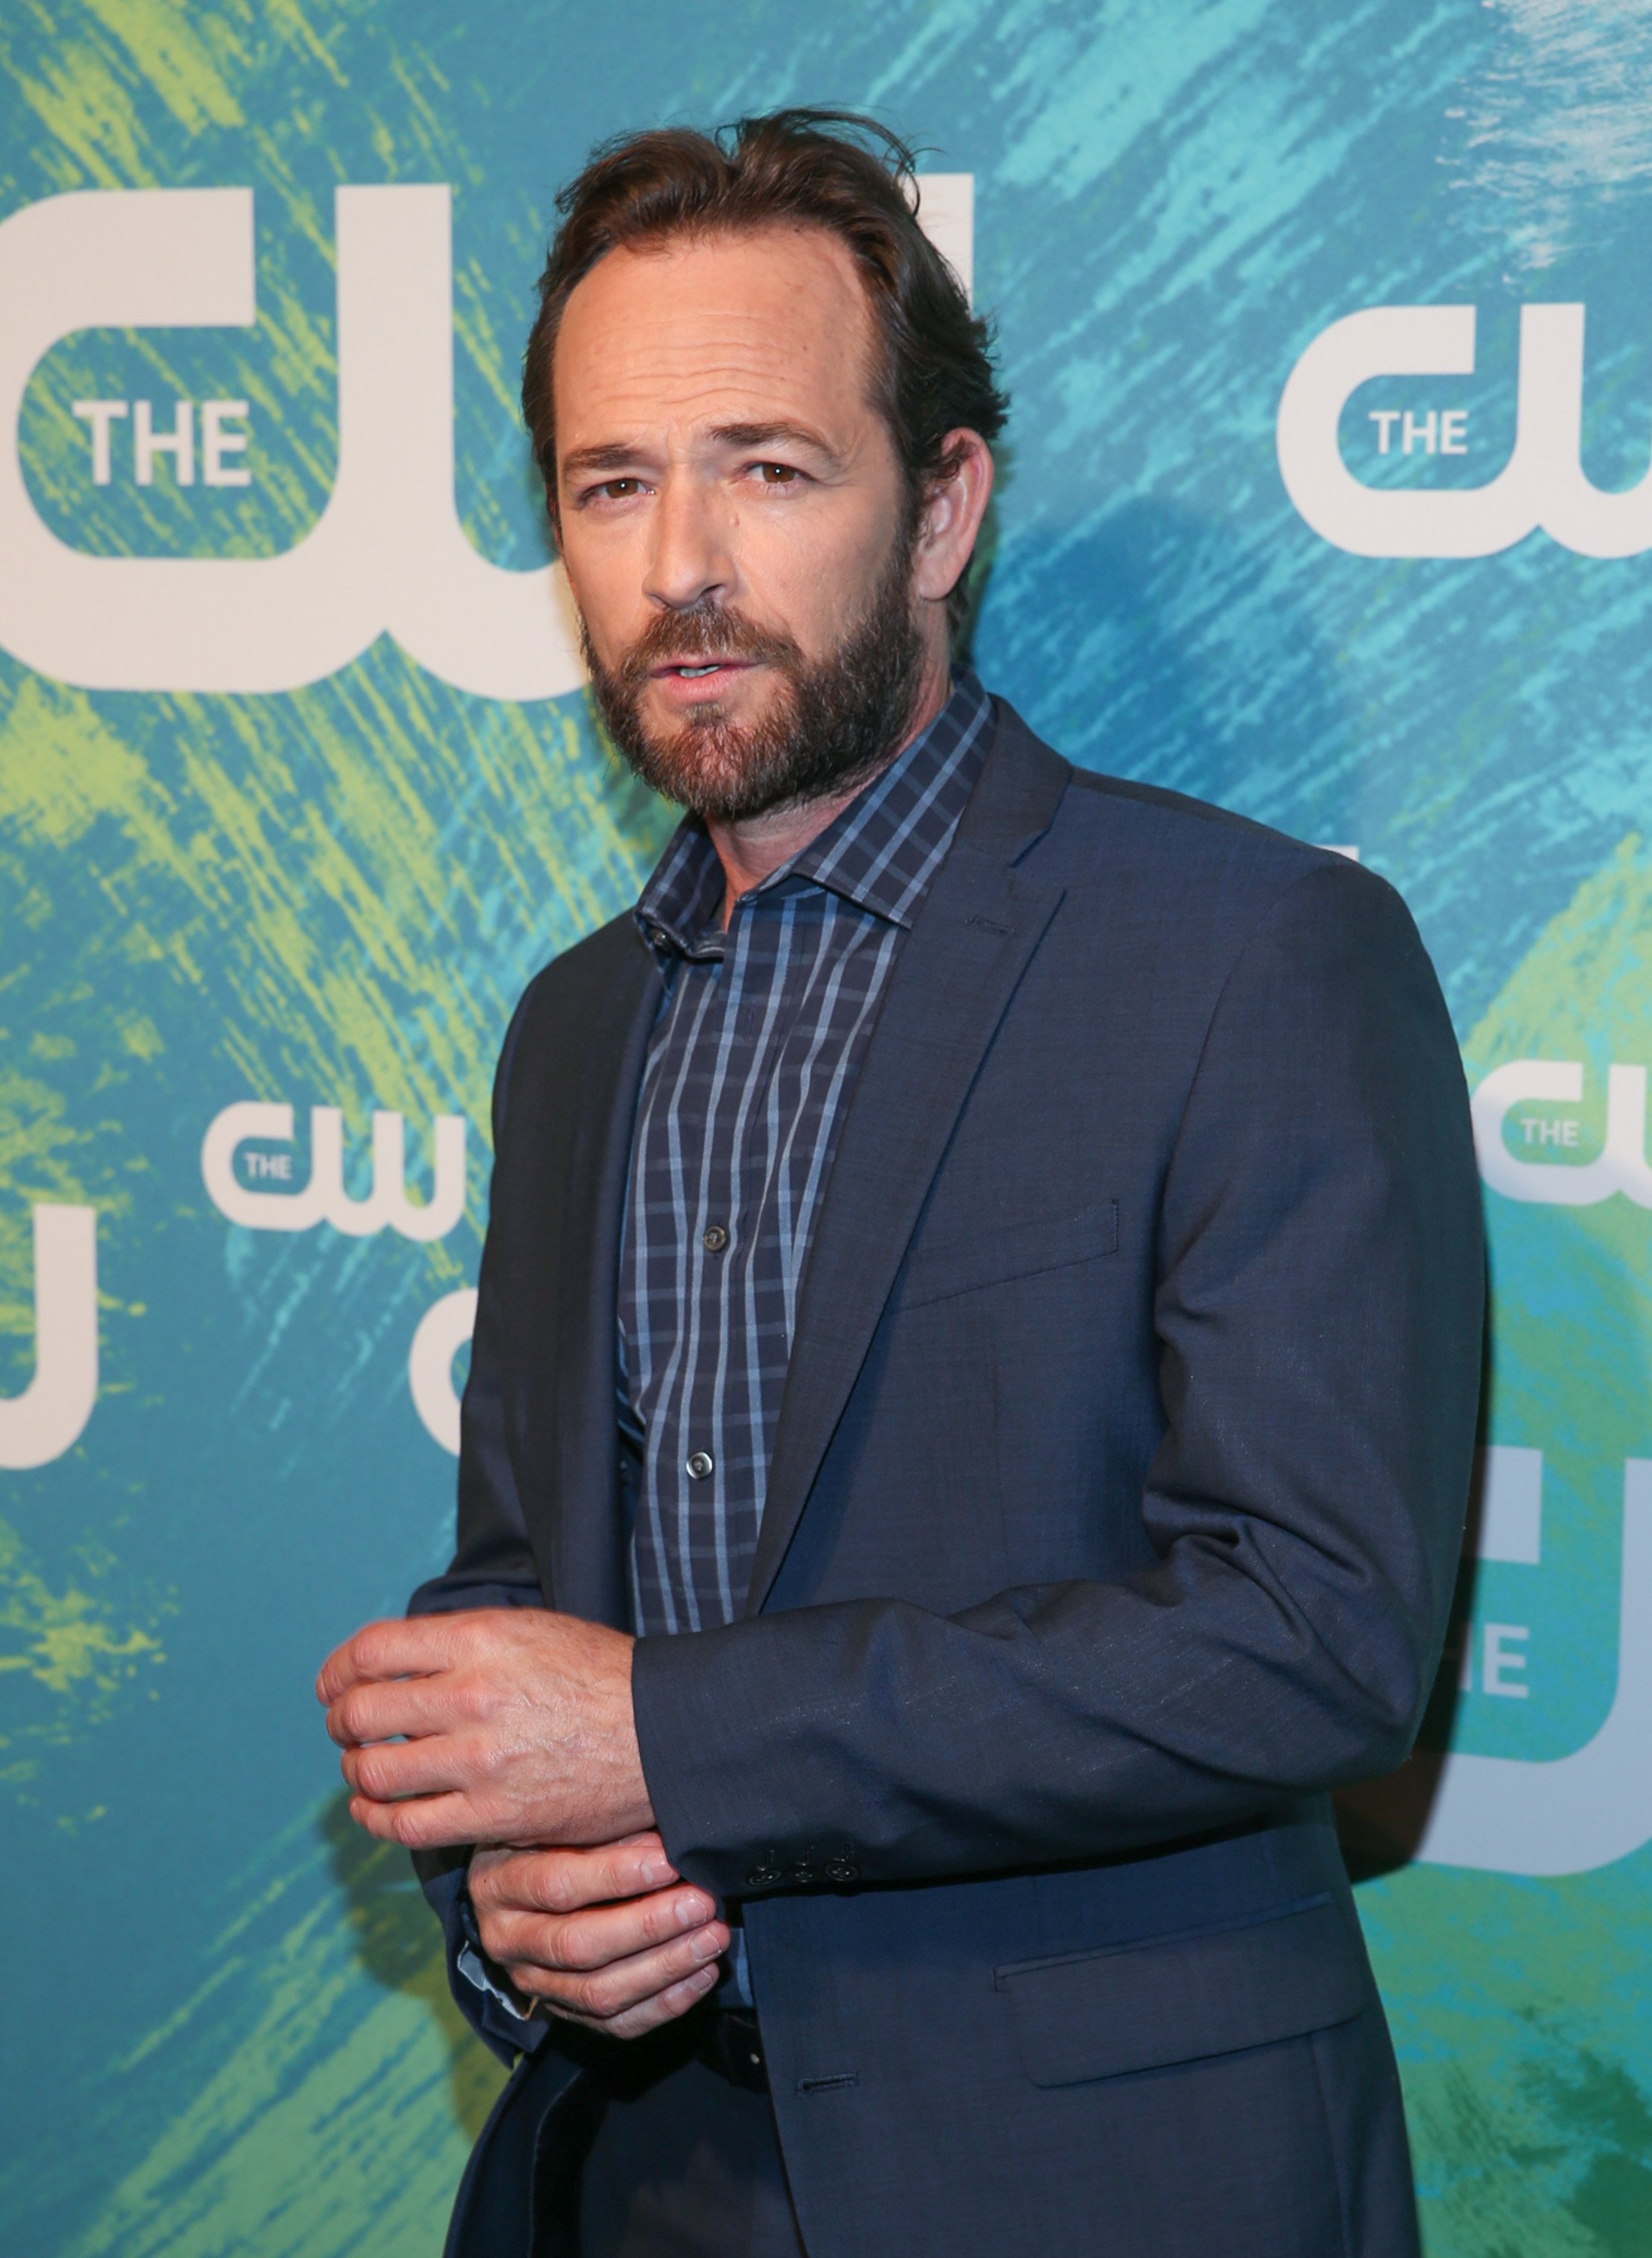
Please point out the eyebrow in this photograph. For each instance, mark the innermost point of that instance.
(621, 455)
(611, 457)
(769, 435)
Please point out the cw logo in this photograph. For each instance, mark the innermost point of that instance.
(1571, 1813)
(324, 1198)
(388, 554)
(52, 1412)
(1559, 1815)
(1541, 485)
(1621, 1166)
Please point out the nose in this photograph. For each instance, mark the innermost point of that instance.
(691, 558)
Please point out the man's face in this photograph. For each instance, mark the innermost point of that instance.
(734, 521)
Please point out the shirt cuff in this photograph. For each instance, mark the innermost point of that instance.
(473, 1968)
(735, 1989)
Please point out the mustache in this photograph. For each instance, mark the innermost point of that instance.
(705, 631)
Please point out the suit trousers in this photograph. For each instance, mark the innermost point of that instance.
(682, 2164)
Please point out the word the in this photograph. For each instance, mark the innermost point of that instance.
(1446, 434)
(1541, 486)
(51, 1414)
(324, 1198)
(216, 442)
(1621, 1166)
(387, 555)
(1547, 1133)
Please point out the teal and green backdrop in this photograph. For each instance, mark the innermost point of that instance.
(1327, 326)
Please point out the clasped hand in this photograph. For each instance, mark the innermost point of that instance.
(513, 1729)
(601, 1936)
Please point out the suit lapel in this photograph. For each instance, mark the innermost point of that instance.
(953, 977)
(573, 1390)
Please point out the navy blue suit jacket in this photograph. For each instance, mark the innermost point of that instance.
(1112, 1522)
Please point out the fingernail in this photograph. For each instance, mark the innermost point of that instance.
(701, 1980)
(689, 1912)
(656, 1871)
(707, 1947)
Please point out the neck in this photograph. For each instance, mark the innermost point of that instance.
(751, 851)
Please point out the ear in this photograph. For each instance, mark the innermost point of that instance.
(952, 515)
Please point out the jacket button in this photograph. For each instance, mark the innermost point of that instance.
(763, 1878)
(699, 1464)
(804, 1875)
(840, 1870)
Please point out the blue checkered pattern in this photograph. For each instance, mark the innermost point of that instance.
(750, 1066)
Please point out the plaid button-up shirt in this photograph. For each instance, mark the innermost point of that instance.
(749, 1069)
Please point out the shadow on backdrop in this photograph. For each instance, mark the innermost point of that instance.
(396, 1941)
(1151, 642)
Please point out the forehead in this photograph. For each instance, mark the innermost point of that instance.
(769, 326)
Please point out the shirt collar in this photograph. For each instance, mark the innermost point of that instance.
(881, 852)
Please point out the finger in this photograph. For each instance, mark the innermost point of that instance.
(598, 1936)
(444, 1763)
(562, 1881)
(371, 1711)
(649, 2015)
(366, 1654)
(423, 1822)
(602, 1993)
(411, 1647)
(335, 1674)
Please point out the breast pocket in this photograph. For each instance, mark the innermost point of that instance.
(961, 1264)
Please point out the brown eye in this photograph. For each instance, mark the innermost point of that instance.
(620, 489)
(776, 474)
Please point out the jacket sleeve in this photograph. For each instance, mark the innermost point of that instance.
(1319, 1312)
(493, 1566)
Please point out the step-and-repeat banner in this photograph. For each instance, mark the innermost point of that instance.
(1327, 498)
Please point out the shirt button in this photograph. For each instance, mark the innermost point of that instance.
(699, 1464)
(714, 1239)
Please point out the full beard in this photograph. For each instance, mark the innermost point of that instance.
(836, 721)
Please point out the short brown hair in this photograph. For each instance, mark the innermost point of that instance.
(800, 168)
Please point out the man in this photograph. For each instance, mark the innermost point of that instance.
(974, 1372)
